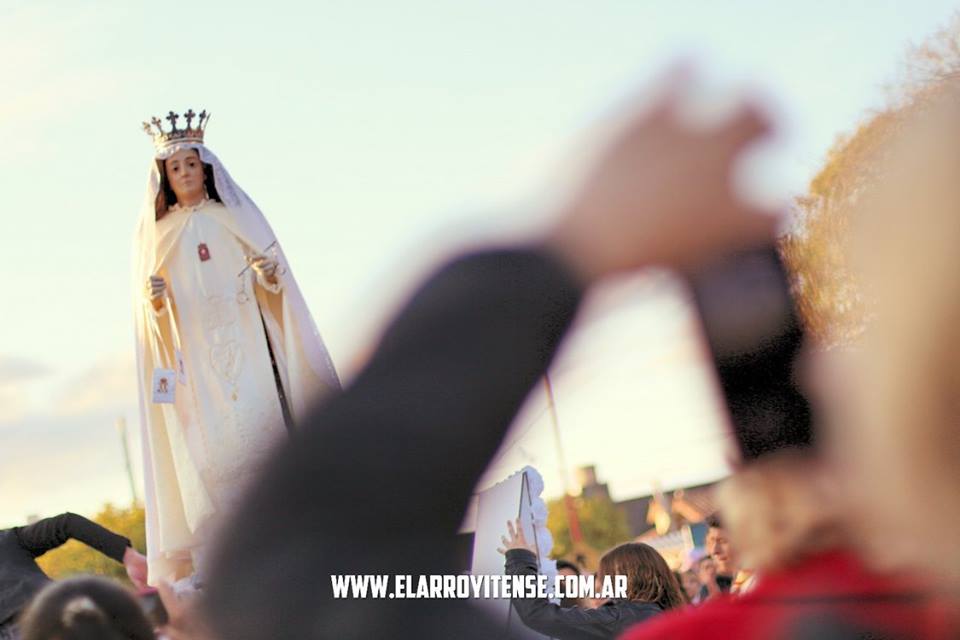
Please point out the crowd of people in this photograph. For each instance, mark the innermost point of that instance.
(843, 531)
(652, 588)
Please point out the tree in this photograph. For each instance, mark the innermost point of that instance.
(603, 525)
(76, 558)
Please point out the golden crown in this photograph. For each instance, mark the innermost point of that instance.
(163, 139)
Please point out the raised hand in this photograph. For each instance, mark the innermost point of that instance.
(184, 619)
(136, 564)
(515, 538)
(661, 193)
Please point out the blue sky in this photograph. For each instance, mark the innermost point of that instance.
(377, 137)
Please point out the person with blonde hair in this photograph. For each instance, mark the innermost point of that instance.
(891, 398)
(781, 511)
(783, 515)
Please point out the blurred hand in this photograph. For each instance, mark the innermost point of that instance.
(661, 194)
(183, 619)
(136, 564)
(265, 266)
(515, 538)
(156, 287)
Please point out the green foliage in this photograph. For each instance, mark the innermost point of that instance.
(76, 558)
(603, 525)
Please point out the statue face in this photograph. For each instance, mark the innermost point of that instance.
(185, 175)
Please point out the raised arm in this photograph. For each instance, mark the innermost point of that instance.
(50, 533)
(543, 616)
(393, 459)
(378, 481)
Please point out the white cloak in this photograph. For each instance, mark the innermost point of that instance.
(201, 451)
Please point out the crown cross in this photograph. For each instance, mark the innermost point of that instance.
(163, 139)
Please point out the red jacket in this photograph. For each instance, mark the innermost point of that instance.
(832, 586)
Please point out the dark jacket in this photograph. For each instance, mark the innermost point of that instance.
(377, 481)
(21, 578)
(573, 623)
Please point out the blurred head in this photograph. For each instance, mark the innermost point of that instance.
(777, 510)
(691, 584)
(85, 609)
(720, 549)
(567, 568)
(184, 179)
(707, 570)
(890, 400)
(649, 579)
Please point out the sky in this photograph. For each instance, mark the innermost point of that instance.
(379, 138)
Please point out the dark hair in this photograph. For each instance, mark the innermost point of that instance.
(714, 521)
(85, 609)
(167, 198)
(649, 579)
(566, 564)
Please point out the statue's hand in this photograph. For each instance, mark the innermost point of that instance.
(156, 288)
(265, 266)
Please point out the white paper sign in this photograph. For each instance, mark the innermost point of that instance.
(517, 496)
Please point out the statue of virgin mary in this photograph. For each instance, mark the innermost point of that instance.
(228, 355)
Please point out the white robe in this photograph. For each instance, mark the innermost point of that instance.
(203, 450)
